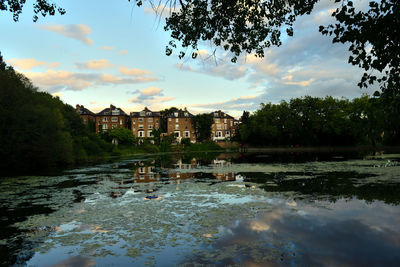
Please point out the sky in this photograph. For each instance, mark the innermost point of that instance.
(104, 52)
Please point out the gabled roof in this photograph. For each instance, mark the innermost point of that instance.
(146, 113)
(83, 111)
(112, 110)
(180, 114)
(221, 114)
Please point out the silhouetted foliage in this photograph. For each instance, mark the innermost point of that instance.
(38, 131)
(312, 121)
(202, 124)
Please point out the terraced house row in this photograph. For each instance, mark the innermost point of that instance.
(142, 123)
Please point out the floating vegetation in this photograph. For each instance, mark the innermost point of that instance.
(102, 215)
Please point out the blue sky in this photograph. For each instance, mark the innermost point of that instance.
(104, 52)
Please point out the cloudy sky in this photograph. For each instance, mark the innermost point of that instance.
(104, 52)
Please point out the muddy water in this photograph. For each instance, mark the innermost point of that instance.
(227, 209)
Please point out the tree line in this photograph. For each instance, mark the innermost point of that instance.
(312, 121)
(39, 132)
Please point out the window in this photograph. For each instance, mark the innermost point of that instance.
(177, 126)
(156, 120)
(141, 133)
(150, 119)
(224, 120)
(113, 126)
(133, 122)
(227, 133)
(177, 134)
(142, 113)
(148, 113)
(231, 123)
(133, 128)
(218, 126)
(142, 170)
(140, 119)
(150, 126)
(186, 114)
(217, 120)
(150, 133)
(115, 112)
(120, 122)
(219, 134)
(187, 134)
(169, 119)
(114, 119)
(176, 114)
(105, 119)
(105, 126)
(176, 120)
(141, 126)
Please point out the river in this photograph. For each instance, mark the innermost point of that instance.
(277, 209)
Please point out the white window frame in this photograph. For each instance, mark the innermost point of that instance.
(149, 133)
(105, 126)
(150, 126)
(187, 134)
(141, 126)
(140, 133)
(219, 134)
(150, 119)
(177, 134)
(114, 119)
(140, 119)
(105, 119)
(176, 126)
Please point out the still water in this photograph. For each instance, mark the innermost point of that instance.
(208, 209)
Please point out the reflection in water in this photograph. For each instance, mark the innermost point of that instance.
(252, 210)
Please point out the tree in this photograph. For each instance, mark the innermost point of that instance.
(202, 124)
(123, 135)
(42, 7)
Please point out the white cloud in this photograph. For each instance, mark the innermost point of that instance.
(78, 32)
(151, 91)
(30, 63)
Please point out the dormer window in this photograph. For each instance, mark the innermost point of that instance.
(148, 113)
(115, 112)
(176, 114)
(186, 114)
(142, 113)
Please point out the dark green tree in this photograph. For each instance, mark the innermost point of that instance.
(202, 124)
(123, 135)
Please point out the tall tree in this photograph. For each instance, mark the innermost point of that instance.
(202, 124)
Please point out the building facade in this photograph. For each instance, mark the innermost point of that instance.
(144, 122)
(180, 124)
(85, 114)
(223, 126)
(111, 118)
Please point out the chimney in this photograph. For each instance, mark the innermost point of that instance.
(112, 107)
(77, 106)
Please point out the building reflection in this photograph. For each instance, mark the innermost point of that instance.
(181, 169)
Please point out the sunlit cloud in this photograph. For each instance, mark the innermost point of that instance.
(78, 32)
(57, 94)
(108, 48)
(132, 72)
(122, 52)
(95, 64)
(30, 63)
(56, 81)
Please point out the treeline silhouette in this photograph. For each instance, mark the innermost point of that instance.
(38, 132)
(312, 121)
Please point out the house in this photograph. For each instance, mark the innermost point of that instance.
(85, 114)
(143, 122)
(180, 124)
(111, 118)
(223, 126)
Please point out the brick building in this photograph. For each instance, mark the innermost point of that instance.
(86, 114)
(223, 127)
(180, 124)
(143, 122)
(111, 118)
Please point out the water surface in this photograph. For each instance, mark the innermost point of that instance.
(226, 209)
